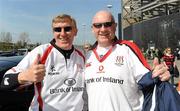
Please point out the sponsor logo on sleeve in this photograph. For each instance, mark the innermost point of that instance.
(6, 81)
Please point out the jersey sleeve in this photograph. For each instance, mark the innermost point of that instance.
(137, 62)
(10, 79)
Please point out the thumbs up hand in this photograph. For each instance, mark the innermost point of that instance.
(160, 70)
(35, 73)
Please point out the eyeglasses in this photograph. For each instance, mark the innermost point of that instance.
(105, 24)
(59, 29)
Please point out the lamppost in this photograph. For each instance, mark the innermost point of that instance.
(165, 26)
(109, 6)
(120, 30)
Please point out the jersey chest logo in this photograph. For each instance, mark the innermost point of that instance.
(101, 69)
(53, 71)
(119, 60)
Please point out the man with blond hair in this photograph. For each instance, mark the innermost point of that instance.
(55, 69)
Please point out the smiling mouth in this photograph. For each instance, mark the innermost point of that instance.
(106, 34)
(63, 39)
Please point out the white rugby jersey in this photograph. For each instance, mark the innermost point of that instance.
(63, 84)
(111, 80)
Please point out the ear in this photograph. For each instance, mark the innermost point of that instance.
(92, 30)
(115, 26)
(75, 32)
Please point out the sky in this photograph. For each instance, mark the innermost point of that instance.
(34, 17)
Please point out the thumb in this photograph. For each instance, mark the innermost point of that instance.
(37, 60)
(155, 62)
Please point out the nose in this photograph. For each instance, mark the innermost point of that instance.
(103, 28)
(63, 33)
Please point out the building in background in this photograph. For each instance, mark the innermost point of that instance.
(152, 21)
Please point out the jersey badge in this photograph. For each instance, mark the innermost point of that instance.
(119, 60)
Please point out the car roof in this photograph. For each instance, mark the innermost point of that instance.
(10, 60)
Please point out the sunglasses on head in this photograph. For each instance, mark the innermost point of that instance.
(59, 29)
(105, 24)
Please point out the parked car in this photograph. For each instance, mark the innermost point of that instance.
(14, 100)
(7, 54)
(8, 62)
(22, 51)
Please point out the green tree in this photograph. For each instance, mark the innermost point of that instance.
(6, 41)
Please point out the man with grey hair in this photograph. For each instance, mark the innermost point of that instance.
(115, 69)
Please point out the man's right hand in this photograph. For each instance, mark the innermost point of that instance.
(35, 73)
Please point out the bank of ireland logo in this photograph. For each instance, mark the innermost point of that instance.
(119, 60)
(70, 81)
